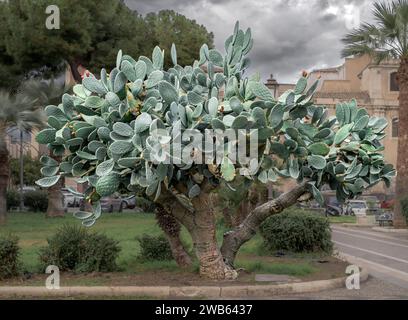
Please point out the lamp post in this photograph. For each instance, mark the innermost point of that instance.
(21, 172)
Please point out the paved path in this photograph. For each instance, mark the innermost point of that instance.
(384, 255)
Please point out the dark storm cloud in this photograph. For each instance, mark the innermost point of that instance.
(290, 35)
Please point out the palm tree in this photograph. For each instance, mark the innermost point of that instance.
(387, 38)
(15, 110)
(45, 93)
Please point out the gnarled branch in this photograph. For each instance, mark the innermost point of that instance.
(235, 238)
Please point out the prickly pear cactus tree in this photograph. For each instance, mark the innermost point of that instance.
(174, 135)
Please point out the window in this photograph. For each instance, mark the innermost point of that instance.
(393, 82)
(394, 128)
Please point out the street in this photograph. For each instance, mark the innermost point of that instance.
(384, 255)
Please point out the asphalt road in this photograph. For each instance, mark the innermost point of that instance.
(384, 255)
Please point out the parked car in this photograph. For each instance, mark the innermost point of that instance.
(129, 202)
(112, 204)
(70, 199)
(333, 210)
(356, 207)
(374, 205)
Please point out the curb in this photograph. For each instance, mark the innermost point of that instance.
(390, 230)
(246, 291)
(355, 225)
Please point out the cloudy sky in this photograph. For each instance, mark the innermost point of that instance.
(289, 35)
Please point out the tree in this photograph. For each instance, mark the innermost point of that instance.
(44, 93)
(167, 27)
(31, 170)
(387, 38)
(20, 111)
(90, 34)
(178, 134)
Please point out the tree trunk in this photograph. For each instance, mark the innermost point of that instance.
(201, 226)
(171, 229)
(55, 197)
(400, 221)
(4, 178)
(203, 233)
(234, 239)
(74, 71)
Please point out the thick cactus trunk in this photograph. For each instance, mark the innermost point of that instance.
(203, 233)
(201, 226)
(171, 229)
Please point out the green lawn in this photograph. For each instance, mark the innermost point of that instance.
(33, 230)
(343, 219)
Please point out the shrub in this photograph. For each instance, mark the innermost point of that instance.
(36, 200)
(9, 254)
(297, 231)
(145, 204)
(74, 248)
(13, 199)
(154, 248)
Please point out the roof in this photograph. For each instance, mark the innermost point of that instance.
(359, 95)
(333, 69)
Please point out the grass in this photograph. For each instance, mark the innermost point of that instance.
(343, 219)
(33, 229)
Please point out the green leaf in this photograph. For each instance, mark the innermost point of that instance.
(94, 85)
(361, 123)
(86, 155)
(49, 162)
(300, 86)
(261, 91)
(342, 134)
(140, 69)
(168, 92)
(194, 191)
(340, 113)
(279, 149)
(82, 215)
(276, 115)
(173, 53)
(46, 136)
(120, 147)
(317, 162)
(48, 181)
(317, 195)
(154, 78)
(216, 57)
(105, 168)
(157, 58)
(128, 70)
(322, 134)
(227, 169)
(143, 122)
(213, 107)
(108, 184)
(239, 122)
(217, 124)
(49, 171)
(123, 129)
(319, 148)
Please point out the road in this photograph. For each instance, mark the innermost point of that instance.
(384, 255)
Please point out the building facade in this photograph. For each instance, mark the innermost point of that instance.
(373, 85)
